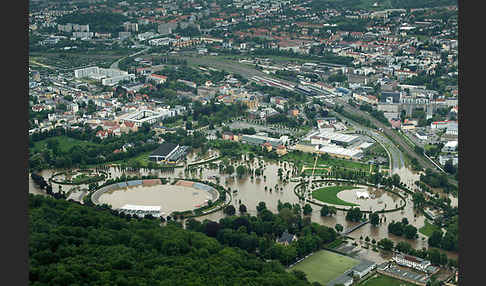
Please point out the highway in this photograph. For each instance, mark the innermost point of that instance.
(399, 141)
(115, 64)
(396, 156)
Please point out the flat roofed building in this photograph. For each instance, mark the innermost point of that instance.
(334, 137)
(260, 140)
(421, 135)
(163, 152)
(363, 268)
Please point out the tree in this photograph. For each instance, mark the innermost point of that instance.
(211, 228)
(404, 247)
(449, 167)
(410, 231)
(418, 199)
(261, 206)
(242, 208)
(435, 239)
(307, 209)
(229, 210)
(241, 171)
(395, 180)
(354, 214)
(339, 227)
(230, 169)
(300, 274)
(328, 210)
(374, 219)
(386, 244)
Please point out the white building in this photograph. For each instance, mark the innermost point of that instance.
(339, 152)
(116, 79)
(158, 79)
(412, 262)
(421, 135)
(107, 76)
(450, 146)
(333, 137)
(142, 116)
(141, 211)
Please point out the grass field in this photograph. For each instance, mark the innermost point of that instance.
(428, 229)
(329, 195)
(382, 280)
(324, 266)
(336, 243)
(65, 143)
(300, 159)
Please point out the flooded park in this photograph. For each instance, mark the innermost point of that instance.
(249, 190)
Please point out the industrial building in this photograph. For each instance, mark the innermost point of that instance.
(332, 150)
(329, 137)
(168, 153)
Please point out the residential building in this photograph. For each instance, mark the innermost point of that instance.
(281, 150)
(267, 146)
(158, 79)
(286, 238)
(130, 27)
(412, 262)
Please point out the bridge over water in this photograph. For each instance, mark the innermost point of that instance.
(349, 230)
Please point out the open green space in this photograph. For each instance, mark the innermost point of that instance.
(301, 158)
(428, 229)
(71, 59)
(65, 143)
(382, 280)
(336, 243)
(329, 195)
(324, 266)
(317, 172)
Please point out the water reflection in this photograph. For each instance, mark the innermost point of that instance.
(270, 189)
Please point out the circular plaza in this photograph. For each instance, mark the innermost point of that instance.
(346, 195)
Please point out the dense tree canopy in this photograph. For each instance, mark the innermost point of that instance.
(70, 244)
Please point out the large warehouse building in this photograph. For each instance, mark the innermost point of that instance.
(168, 153)
(329, 137)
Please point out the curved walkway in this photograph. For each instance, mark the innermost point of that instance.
(315, 202)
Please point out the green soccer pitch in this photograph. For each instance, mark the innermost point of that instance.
(324, 266)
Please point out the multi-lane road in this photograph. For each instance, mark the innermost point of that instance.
(395, 146)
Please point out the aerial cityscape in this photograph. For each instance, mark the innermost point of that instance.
(234, 142)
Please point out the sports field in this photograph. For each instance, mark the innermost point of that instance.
(329, 195)
(382, 280)
(324, 266)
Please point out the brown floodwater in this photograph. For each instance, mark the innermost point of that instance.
(169, 197)
(252, 191)
(379, 199)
